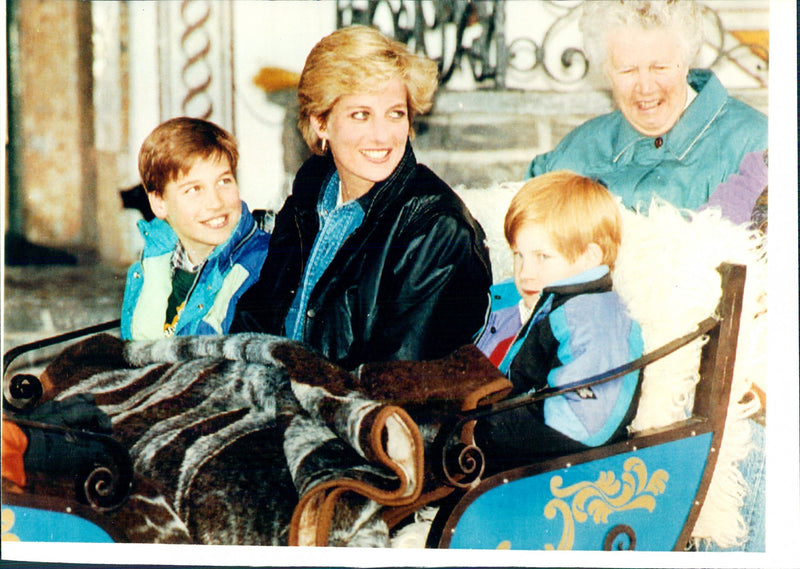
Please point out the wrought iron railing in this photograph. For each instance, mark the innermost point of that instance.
(444, 31)
(471, 37)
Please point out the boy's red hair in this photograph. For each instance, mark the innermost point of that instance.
(574, 211)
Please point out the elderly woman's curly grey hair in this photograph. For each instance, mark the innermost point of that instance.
(601, 17)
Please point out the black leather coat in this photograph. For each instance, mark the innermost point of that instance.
(411, 283)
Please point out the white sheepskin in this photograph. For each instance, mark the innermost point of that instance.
(666, 273)
(489, 206)
(414, 534)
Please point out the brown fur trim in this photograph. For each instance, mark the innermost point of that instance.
(465, 376)
(315, 510)
(95, 354)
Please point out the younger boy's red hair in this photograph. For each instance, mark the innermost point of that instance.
(574, 211)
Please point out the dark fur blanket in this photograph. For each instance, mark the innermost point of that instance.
(255, 439)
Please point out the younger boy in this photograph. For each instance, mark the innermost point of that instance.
(564, 233)
(203, 250)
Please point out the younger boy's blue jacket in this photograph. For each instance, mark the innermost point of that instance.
(579, 328)
(224, 276)
(683, 166)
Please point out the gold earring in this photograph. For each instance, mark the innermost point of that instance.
(324, 144)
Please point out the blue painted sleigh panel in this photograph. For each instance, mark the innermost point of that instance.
(639, 499)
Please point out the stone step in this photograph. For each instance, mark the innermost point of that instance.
(45, 300)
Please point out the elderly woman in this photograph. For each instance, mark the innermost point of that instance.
(677, 133)
(372, 257)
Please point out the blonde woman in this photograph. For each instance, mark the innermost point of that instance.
(372, 257)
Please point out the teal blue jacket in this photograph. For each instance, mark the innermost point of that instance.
(225, 275)
(683, 166)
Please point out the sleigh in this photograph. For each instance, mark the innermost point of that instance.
(644, 492)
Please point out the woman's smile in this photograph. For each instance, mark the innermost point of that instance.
(377, 155)
(648, 77)
(649, 105)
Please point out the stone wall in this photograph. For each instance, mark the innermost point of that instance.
(476, 138)
(40, 302)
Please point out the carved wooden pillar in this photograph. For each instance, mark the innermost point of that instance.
(196, 60)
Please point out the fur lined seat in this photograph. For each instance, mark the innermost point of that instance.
(666, 273)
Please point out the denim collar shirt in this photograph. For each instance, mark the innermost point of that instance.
(337, 221)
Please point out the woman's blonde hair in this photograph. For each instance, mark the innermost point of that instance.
(360, 59)
(600, 18)
(574, 211)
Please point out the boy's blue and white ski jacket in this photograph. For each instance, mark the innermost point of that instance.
(224, 276)
(579, 328)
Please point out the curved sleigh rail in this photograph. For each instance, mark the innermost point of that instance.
(17, 351)
(103, 484)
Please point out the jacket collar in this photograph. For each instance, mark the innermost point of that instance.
(319, 170)
(589, 277)
(388, 191)
(597, 279)
(711, 98)
(159, 237)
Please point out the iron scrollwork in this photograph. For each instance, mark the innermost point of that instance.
(564, 64)
(461, 464)
(25, 390)
(100, 466)
(716, 38)
(474, 34)
(446, 31)
(620, 538)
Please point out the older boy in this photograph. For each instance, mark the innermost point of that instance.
(564, 232)
(203, 250)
